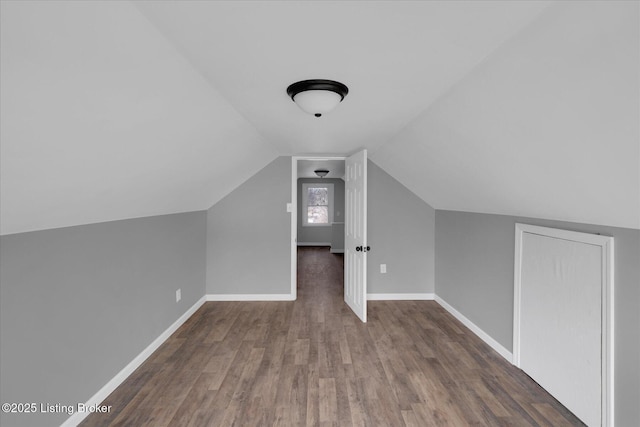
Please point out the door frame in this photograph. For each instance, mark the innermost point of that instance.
(607, 303)
(294, 213)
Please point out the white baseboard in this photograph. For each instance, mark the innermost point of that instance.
(249, 297)
(336, 251)
(314, 244)
(121, 376)
(476, 330)
(400, 297)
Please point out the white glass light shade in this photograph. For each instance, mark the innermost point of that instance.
(317, 102)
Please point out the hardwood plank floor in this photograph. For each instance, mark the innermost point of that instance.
(312, 362)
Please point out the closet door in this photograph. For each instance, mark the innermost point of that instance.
(561, 284)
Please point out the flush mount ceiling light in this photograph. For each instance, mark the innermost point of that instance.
(317, 96)
(321, 172)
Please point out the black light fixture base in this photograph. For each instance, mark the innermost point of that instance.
(317, 84)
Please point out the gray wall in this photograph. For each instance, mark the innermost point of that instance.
(249, 235)
(321, 234)
(400, 229)
(474, 273)
(78, 304)
(337, 238)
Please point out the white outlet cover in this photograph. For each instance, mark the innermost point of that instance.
(178, 295)
(383, 268)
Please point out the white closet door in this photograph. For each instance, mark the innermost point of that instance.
(560, 343)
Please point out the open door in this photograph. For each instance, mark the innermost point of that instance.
(355, 249)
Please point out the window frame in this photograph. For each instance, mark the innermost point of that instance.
(305, 201)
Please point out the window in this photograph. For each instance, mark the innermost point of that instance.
(317, 204)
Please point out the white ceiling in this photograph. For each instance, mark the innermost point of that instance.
(113, 110)
(548, 126)
(396, 58)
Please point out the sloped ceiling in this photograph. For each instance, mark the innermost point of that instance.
(102, 120)
(548, 126)
(113, 110)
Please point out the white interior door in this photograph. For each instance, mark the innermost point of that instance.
(562, 281)
(355, 265)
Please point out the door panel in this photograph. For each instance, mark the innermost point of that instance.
(561, 318)
(355, 266)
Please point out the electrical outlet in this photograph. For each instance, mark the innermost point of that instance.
(383, 268)
(178, 295)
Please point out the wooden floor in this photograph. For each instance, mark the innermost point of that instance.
(312, 362)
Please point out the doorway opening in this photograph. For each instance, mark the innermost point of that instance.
(318, 209)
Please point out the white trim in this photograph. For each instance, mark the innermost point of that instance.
(314, 244)
(401, 297)
(336, 251)
(121, 376)
(608, 313)
(517, 268)
(249, 297)
(476, 330)
(607, 362)
(294, 227)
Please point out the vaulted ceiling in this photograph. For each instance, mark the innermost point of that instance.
(114, 110)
